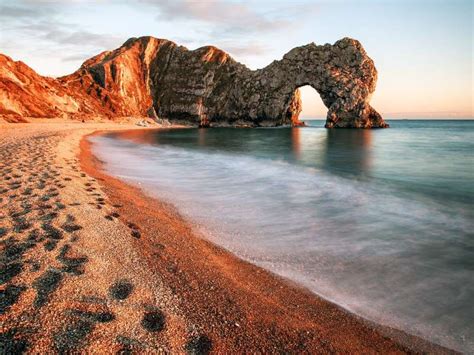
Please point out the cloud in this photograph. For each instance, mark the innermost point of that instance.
(243, 49)
(42, 21)
(233, 26)
(233, 17)
(8, 11)
(39, 30)
(39, 24)
(230, 17)
(66, 34)
(77, 57)
(82, 38)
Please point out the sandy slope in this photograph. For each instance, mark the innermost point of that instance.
(90, 264)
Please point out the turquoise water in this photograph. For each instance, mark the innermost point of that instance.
(378, 221)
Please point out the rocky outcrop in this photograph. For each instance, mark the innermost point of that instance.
(342, 74)
(156, 78)
(23, 93)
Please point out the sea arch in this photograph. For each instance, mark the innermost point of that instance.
(343, 75)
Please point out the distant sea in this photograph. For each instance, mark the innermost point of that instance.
(378, 221)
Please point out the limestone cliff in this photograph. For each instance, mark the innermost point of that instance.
(156, 78)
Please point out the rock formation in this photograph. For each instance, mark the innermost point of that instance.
(156, 78)
(23, 93)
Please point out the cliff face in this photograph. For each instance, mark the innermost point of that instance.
(25, 93)
(156, 78)
(118, 81)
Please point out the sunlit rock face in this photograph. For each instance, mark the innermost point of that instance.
(156, 78)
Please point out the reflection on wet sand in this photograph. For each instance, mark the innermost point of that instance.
(138, 136)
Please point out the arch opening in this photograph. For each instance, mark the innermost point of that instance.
(305, 104)
(312, 106)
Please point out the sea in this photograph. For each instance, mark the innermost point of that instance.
(380, 222)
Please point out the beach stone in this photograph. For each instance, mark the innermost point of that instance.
(158, 79)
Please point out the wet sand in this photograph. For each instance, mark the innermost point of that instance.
(91, 264)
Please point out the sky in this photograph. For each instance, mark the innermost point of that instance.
(423, 50)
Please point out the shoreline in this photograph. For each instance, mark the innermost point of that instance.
(247, 278)
(93, 264)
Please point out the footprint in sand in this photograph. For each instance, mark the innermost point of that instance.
(135, 230)
(153, 321)
(199, 344)
(71, 265)
(9, 296)
(72, 336)
(3, 231)
(70, 226)
(12, 343)
(121, 289)
(95, 317)
(47, 283)
(111, 216)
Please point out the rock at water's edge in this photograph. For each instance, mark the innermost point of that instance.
(155, 78)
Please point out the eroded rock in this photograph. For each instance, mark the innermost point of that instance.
(156, 78)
